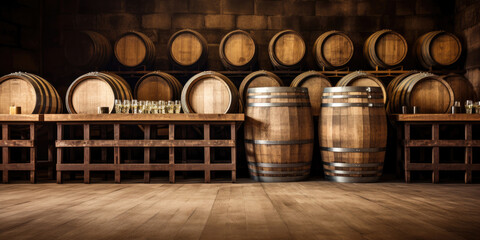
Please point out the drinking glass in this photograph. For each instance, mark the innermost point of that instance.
(477, 107)
(178, 106)
(148, 107)
(134, 106)
(126, 106)
(118, 106)
(154, 107)
(468, 106)
(161, 107)
(170, 106)
(141, 107)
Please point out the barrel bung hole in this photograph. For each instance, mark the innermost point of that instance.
(452, 132)
(421, 154)
(418, 132)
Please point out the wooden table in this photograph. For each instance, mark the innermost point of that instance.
(434, 121)
(26, 124)
(146, 122)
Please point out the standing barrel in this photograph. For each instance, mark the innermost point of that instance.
(333, 49)
(187, 49)
(315, 82)
(362, 79)
(287, 50)
(156, 86)
(238, 51)
(462, 88)
(385, 49)
(278, 134)
(88, 50)
(134, 49)
(437, 49)
(32, 93)
(259, 78)
(96, 89)
(209, 92)
(429, 92)
(353, 134)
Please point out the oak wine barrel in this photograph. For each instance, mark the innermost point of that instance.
(333, 49)
(362, 79)
(385, 49)
(437, 49)
(315, 82)
(188, 49)
(287, 50)
(32, 93)
(462, 88)
(134, 49)
(352, 129)
(156, 86)
(209, 92)
(429, 92)
(88, 50)
(259, 78)
(278, 134)
(238, 51)
(96, 89)
(393, 84)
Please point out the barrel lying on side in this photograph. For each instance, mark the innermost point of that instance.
(32, 93)
(134, 49)
(187, 49)
(259, 78)
(238, 51)
(462, 88)
(352, 129)
(333, 49)
(437, 49)
(156, 86)
(385, 49)
(88, 50)
(278, 134)
(96, 89)
(362, 79)
(315, 82)
(287, 50)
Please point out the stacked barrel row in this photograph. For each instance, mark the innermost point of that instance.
(188, 50)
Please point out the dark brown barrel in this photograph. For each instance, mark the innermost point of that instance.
(393, 84)
(362, 79)
(156, 86)
(352, 129)
(333, 49)
(134, 49)
(88, 50)
(209, 92)
(259, 78)
(238, 51)
(428, 92)
(437, 49)
(462, 88)
(96, 89)
(315, 82)
(30, 92)
(385, 49)
(287, 50)
(278, 134)
(187, 49)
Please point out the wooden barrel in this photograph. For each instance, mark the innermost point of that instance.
(238, 51)
(385, 49)
(96, 89)
(462, 88)
(156, 86)
(278, 134)
(333, 49)
(134, 49)
(362, 79)
(352, 129)
(258, 79)
(287, 50)
(437, 49)
(187, 49)
(32, 93)
(315, 82)
(430, 93)
(209, 92)
(393, 84)
(87, 50)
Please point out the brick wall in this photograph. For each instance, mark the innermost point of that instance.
(467, 25)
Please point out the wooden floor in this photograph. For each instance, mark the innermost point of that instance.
(301, 210)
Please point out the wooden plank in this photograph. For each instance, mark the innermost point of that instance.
(146, 153)
(435, 153)
(59, 152)
(171, 153)
(19, 167)
(17, 143)
(436, 117)
(90, 167)
(144, 143)
(443, 143)
(206, 150)
(233, 134)
(468, 153)
(86, 154)
(236, 117)
(406, 151)
(5, 153)
(21, 118)
(116, 151)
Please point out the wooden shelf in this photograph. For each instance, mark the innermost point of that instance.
(21, 118)
(182, 117)
(462, 117)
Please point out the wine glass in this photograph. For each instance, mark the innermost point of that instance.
(141, 107)
(178, 106)
(468, 106)
(161, 107)
(126, 106)
(134, 106)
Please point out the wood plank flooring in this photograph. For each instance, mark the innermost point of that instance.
(249, 210)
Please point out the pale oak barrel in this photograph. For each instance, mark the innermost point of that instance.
(87, 50)
(238, 51)
(279, 134)
(259, 78)
(188, 49)
(315, 82)
(96, 89)
(156, 86)
(362, 79)
(352, 129)
(287, 50)
(209, 92)
(385, 49)
(30, 92)
(333, 49)
(437, 49)
(134, 49)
